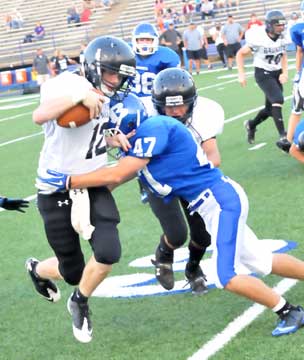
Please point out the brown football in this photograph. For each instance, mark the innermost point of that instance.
(74, 117)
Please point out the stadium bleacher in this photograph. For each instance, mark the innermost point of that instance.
(119, 21)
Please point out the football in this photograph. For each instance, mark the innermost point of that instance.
(74, 117)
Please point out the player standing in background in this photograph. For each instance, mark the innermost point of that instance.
(150, 60)
(109, 65)
(270, 69)
(297, 37)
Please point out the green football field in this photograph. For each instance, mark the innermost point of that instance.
(175, 327)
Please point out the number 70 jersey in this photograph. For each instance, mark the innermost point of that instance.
(267, 53)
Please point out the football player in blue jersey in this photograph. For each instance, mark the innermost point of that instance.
(150, 60)
(297, 36)
(297, 146)
(13, 204)
(171, 163)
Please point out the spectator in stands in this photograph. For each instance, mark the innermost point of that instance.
(60, 62)
(17, 19)
(42, 66)
(39, 31)
(172, 39)
(207, 9)
(175, 16)
(254, 21)
(188, 11)
(198, 4)
(85, 15)
(221, 4)
(216, 34)
(107, 4)
(73, 16)
(232, 34)
(88, 4)
(235, 3)
(160, 24)
(159, 8)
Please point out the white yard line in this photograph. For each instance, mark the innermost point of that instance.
(16, 116)
(237, 325)
(20, 139)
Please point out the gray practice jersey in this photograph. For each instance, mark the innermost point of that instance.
(72, 150)
(267, 53)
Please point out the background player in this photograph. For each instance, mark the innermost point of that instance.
(271, 71)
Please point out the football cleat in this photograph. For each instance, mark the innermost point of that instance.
(197, 279)
(82, 324)
(250, 132)
(45, 287)
(164, 274)
(283, 144)
(290, 322)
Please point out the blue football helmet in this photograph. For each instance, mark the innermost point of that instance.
(126, 114)
(145, 31)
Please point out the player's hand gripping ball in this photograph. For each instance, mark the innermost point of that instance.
(76, 116)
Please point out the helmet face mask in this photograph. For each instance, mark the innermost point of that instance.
(107, 54)
(145, 39)
(173, 88)
(275, 22)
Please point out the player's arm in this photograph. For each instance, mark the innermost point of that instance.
(299, 58)
(296, 153)
(53, 108)
(284, 62)
(244, 50)
(212, 152)
(125, 170)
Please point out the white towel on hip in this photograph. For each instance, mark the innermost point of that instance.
(80, 213)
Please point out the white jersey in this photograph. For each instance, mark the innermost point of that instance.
(207, 120)
(72, 151)
(267, 53)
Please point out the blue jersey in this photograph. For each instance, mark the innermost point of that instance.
(178, 165)
(297, 34)
(147, 67)
(298, 130)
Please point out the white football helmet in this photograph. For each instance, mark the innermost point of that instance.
(145, 31)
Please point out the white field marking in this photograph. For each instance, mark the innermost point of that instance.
(29, 198)
(250, 112)
(16, 116)
(19, 98)
(16, 106)
(21, 139)
(237, 325)
(258, 146)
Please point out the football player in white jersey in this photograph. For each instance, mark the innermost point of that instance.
(271, 71)
(109, 65)
(172, 163)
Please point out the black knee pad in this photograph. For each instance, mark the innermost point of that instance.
(72, 273)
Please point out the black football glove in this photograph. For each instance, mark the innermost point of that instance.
(14, 204)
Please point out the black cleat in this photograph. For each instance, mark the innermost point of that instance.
(164, 274)
(250, 132)
(44, 287)
(283, 144)
(82, 324)
(197, 279)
